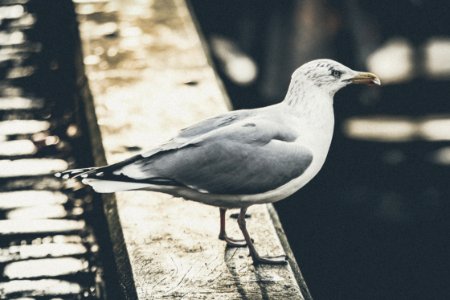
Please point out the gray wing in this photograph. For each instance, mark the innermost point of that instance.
(192, 134)
(187, 137)
(246, 156)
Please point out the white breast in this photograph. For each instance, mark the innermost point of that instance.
(315, 133)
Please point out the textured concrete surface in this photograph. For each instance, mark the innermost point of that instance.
(150, 76)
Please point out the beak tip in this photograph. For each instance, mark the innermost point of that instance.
(376, 81)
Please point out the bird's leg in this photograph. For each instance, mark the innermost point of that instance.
(223, 234)
(277, 260)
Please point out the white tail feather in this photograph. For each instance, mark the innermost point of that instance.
(109, 186)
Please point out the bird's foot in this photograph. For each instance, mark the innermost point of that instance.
(266, 260)
(235, 243)
(232, 242)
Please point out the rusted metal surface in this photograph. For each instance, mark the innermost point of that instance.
(150, 76)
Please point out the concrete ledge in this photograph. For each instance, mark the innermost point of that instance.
(150, 76)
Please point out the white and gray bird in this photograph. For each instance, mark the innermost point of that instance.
(242, 157)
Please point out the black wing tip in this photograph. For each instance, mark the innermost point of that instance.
(73, 173)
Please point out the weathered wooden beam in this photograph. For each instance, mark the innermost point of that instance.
(150, 76)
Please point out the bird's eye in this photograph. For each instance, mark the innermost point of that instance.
(336, 73)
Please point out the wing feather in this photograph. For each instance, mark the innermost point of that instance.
(241, 158)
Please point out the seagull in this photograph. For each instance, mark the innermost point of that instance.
(243, 157)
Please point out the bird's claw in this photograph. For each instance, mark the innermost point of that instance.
(235, 243)
(274, 260)
(232, 242)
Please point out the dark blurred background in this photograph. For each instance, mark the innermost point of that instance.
(374, 224)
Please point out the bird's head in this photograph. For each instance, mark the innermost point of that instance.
(331, 76)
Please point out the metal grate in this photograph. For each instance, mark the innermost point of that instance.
(48, 247)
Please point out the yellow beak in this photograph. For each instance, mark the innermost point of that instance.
(365, 78)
